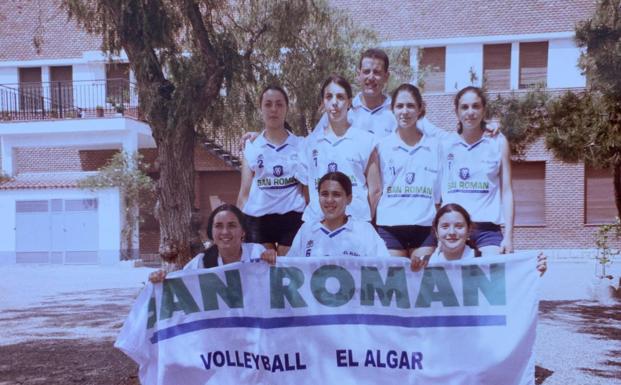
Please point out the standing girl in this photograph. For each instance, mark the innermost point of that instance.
(270, 196)
(409, 164)
(341, 147)
(476, 174)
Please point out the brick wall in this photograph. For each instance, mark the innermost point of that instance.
(432, 19)
(59, 159)
(23, 20)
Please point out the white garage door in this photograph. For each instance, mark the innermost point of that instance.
(56, 231)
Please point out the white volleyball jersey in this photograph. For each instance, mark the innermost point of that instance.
(438, 255)
(353, 239)
(379, 121)
(274, 189)
(410, 181)
(325, 152)
(471, 176)
(251, 252)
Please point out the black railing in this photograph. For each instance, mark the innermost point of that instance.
(68, 100)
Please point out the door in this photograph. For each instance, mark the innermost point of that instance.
(30, 90)
(61, 90)
(57, 231)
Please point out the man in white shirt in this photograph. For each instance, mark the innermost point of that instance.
(371, 107)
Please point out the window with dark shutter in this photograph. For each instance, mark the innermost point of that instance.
(529, 193)
(497, 66)
(432, 63)
(533, 64)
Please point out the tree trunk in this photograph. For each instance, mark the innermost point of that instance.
(616, 180)
(175, 194)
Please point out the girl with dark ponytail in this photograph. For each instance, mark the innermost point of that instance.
(270, 196)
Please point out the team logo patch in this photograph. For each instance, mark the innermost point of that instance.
(464, 173)
(409, 177)
(278, 170)
(309, 247)
(332, 167)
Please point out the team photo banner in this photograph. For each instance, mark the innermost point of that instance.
(339, 320)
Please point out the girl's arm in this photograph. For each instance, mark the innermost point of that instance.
(246, 182)
(507, 197)
(374, 181)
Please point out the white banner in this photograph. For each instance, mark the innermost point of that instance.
(339, 320)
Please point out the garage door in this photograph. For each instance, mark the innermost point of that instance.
(56, 231)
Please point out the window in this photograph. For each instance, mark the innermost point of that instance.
(599, 196)
(30, 89)
(61, 91)
(533, 64)
(117, 83)
(432, 63)
(529, 193)
(497, 66)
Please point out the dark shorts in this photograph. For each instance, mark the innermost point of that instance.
(406, 237)
(486, 234)
(273, 228)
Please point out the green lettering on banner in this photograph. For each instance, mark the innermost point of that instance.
(436, 277)
(176, 297)
(279, 290)
(212, 287)
(151, 312)
(475, 279)
(395, 286)
(346, 285)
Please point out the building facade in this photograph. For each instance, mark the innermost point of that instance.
(66, 108)
(508, 47)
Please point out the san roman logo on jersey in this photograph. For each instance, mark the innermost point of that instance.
(332, 167)
(278, 170)
(464, 173)
(409, 177)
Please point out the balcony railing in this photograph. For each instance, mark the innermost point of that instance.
(90, 99)
(68, 100)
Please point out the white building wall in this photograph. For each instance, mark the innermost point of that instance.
(563, 71)
(9, 75)
(109, 219)
(461, 61)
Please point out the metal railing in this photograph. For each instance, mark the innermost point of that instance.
(68, 100)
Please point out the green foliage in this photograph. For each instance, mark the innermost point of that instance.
(400, 68)
(605, 254)
(137, 190)
(587, 126)
(295, 44)
(579, 128)
(521, 117)
(601, 36)
(125, 172)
